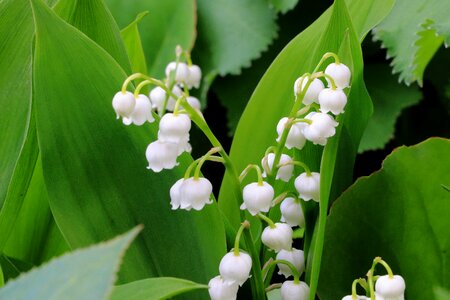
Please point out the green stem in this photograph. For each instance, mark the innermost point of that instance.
(129, 79)
(297, 163)
(354, 294)
(331, 79)
(370, 279)
(244, 225)
(294, 271)
(257, 282)
(267, 220)
(324, 58)
(386, 266)
(247, 169)
(203, 159)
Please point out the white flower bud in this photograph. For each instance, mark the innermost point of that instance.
(277, 238)
(294, 291)
(292, 212)
(295, 257)
(175, 196)
(158, 96)
(340, 73)
(308, 187)
(332, 100)
(390, 288)
(123, 104)
(195, 77)
(235, 268)
(313, 91)
(321, 128)
(195, 193)
(194, 102)
(221, 290)
(161, 155)
(285, 172)
(295, 136)
(182, 71)
(142, 112)
(174, 128)
(257, 197)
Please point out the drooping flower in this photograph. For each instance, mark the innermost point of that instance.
(158, 96)
(235, 268)
(277, 238)
(285, 172)
(388, 288)
(321, 128)
(123, 104)
(308, 186)
(340, 73)
(142, 112)
(195, 76)
(295, 138)
(257, 198)
(219, 289)
(161, 155)
(292, 212)
(295, 257)
(313, 91)
(195, 193)
(174, 128)
(181, 73)
(175, 197)
(332, 100)
(291, 290)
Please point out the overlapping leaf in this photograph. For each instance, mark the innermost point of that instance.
(94, 166)
(412, 33)
(133, 44)
(384, 215)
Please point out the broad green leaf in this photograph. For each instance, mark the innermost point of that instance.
(15, 85)
(34, 236)
(155, 289)
(412, 33)
(389, 99)
(232, 33)
(170, 23)
(83, 274)
(283, 5)
(441, 294)
(133, 44)
(399, 213)
(93, 18)
(2, 279)
(12, 267)
(95, 168)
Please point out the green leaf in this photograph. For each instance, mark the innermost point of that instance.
(283, 5)
(83, 274)
(399, 213)
(441, 294)
(412, 33)
(155, 289)
(170, 23)
(15, 84)
(95, 167)
(219, 49)
(133, 44)
(94, 19)
(389, 99)
(274, 294)
(12, 267)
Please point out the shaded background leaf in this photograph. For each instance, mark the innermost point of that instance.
(384, 214)
(133, 45)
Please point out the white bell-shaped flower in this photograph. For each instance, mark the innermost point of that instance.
(194, 102)
(195, 193)
(332, 100)
(295, 257)
(294, 291)
(390, 288)
(285, 172)
(340, 73)
(295, 136)
(308, 186)
(181, 73)
(142, 112)
(220, 289)
(158, 96)
(175, 196)
(174, 128)
(235, 268)
(321, 128)
(277, 238)
(313, 91)
(161, 155)
(292, 212)
(195, 77)
(123, 104)
(257, 197)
